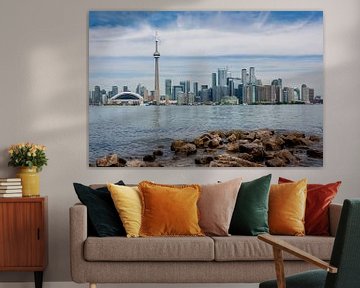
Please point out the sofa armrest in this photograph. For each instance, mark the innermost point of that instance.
(78, 235)
(334, 217)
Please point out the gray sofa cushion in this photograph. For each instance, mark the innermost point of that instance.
(249, 248)
(149, 249)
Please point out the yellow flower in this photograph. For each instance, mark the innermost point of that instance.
(28, 154)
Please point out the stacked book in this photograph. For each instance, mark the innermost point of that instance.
(10, 187)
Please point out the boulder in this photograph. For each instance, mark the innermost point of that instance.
(187, 149)
(248, 135)
(149, 158)
(232, 138)
(314, 138)
(204, 159)
(233, 147)
(275, 162)
(177, 144)
(314, 153)
(254, 149)
(286, 156)
(158, 152)
(111, 160)
(232, 161)
(135, 163)
(263, 134)
(245, 156)
(273, 143)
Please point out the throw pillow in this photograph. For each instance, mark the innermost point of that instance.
(169, 210)
(250, 215)
(127, 201)
(287, 204)
(319, 197)
(102, 215)
(216, 206)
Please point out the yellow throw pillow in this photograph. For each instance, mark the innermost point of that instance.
(287, 204)
(169, 210)
(127, 201)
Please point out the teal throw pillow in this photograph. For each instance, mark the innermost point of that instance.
(250, 216)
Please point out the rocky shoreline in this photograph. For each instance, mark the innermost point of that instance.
(234, 148)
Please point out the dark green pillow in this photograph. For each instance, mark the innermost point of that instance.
(103, 218)
(250, 216)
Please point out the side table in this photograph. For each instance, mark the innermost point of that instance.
(23, 235)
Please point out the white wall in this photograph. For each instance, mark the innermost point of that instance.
(43, 90)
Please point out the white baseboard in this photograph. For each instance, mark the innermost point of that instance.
(74, 285)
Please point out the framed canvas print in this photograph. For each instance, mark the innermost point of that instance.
(205, 88)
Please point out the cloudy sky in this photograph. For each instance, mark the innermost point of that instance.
(193, 44)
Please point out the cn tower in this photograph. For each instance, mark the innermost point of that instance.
(157, 84)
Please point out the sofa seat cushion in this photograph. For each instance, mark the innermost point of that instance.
(244, 248)
(149, 249)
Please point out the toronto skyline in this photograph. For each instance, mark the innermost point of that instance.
(193, 45)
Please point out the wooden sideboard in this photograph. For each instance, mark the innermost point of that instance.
(23, 235)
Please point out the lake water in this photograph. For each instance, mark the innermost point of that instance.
(134, 131)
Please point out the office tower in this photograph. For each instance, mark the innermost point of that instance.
(244, 76)
(157, 79)
(187, 86)
(213, 80)
(97, 95)
(222, 75)
(125, 89)
(183, 85)
(311, 95)
(196, 88)
(278, 89)
(168, 88)
(305, 93)
(252, 75)
(297, 94)
(231, 86)
(114, 90)
(176, 89)
(288, 95)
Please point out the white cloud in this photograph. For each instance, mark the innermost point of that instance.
(258, 37)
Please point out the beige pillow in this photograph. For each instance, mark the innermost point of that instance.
(216, 206)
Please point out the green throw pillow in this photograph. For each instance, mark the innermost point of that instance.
(250, 216)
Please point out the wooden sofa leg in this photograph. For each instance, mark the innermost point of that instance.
(92, 285)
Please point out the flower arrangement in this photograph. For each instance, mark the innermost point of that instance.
(27, 155)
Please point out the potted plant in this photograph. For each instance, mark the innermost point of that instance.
(30, 158)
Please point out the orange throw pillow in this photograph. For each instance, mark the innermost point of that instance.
(287, 204)
(319, 197)
(169, 210)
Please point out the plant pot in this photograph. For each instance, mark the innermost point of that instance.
(30, 181)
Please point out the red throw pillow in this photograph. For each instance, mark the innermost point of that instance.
(319, 197)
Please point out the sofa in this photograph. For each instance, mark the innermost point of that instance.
(233, 259)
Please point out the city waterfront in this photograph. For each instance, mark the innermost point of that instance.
(135, 131)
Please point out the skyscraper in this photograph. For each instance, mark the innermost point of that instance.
(168, 88)
(213, 78)
(252, 75)
(222, 75)
(157, 80)
(196, 88)
(305, 93)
